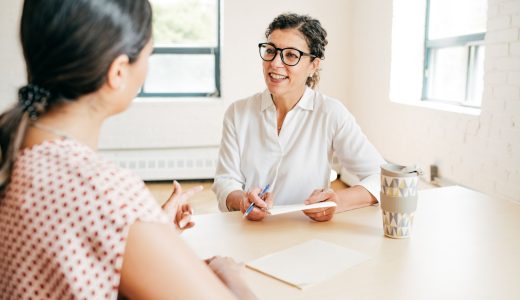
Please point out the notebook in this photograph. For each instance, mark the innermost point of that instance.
(283, 209)
(307, 263)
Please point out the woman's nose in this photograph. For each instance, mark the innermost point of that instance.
(277, 61)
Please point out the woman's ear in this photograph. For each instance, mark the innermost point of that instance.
(315, 65)
(118, 72)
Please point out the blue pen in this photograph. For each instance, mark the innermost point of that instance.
(252, 205)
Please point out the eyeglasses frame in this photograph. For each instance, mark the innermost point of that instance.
(281, 55)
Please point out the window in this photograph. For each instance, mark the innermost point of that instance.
(454, 51)
(186, 58)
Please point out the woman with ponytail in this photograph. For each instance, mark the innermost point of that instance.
(73, 226)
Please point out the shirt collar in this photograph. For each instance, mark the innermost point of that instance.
(305, 103)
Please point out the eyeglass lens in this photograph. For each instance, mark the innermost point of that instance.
(289, 56)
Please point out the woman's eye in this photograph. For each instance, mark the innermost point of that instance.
(291, 55)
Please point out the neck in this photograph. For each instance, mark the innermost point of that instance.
(284, 103)
(79, 120)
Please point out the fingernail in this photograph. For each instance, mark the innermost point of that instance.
(183, 223)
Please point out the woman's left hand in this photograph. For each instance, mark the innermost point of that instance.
(321, 214)
(177, 209)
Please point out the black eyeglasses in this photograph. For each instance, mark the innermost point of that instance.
(289, 56)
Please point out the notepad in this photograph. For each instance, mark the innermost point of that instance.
(283, 209)
(307, 263)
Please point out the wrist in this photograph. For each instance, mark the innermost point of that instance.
(234, 200)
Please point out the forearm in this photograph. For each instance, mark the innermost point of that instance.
(234, 200)
(354, 197)
(238, 287)
(156, 258)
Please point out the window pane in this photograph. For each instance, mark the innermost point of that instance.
(456, 17)
(447, 74)
(181, 73)
(185, 23)
(476, 78)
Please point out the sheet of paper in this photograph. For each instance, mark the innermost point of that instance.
(283, 209)
(307, 263)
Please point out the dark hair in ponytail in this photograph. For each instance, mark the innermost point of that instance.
(68, 47)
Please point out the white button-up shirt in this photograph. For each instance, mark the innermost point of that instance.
(298, 160)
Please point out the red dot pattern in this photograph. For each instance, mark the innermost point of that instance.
(64, 219)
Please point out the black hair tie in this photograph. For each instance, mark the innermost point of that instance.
(33, 99)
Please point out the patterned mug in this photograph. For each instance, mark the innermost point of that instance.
(398, 199)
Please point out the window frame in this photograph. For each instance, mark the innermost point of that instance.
(215, 51)
(473, 42)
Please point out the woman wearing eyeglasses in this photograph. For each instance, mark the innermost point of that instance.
(284, 137)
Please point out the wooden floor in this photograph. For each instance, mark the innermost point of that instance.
(204, 202)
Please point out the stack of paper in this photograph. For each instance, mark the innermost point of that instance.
(307, 263)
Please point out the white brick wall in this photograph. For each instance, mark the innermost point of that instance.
(478, 151)
(501, 165)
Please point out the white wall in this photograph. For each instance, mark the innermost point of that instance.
(197, 122)
(12, 72)
(481, 152)
(189, 123)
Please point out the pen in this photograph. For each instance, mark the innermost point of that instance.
(252, 205)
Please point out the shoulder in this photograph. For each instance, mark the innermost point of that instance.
(331, 107)
(92, 179)
(245, 106)
(87, 166)
(247, 102)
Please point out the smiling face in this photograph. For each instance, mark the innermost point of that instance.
(288, 82)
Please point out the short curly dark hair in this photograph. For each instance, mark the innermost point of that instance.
(315, 36)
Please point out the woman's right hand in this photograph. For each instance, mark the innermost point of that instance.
(176, 207)
(240, 200)
(262, 203)
(230, 273)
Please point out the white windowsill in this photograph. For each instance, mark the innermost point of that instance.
(176, 99)
(442, 106)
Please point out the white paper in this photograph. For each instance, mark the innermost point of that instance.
(308, 263)
(283, 209)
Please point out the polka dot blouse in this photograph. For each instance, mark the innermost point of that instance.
(64, 219)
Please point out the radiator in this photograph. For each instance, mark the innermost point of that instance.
(166, 164)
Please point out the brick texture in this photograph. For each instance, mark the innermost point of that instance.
(493, 144)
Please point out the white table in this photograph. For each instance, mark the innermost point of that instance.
(464, 245)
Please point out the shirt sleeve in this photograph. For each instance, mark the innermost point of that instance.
(356, 153)
(228, 177)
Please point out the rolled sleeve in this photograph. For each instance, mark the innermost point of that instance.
(222, 188)
(371, 183)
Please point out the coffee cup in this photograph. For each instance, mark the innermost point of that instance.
(398, 199)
